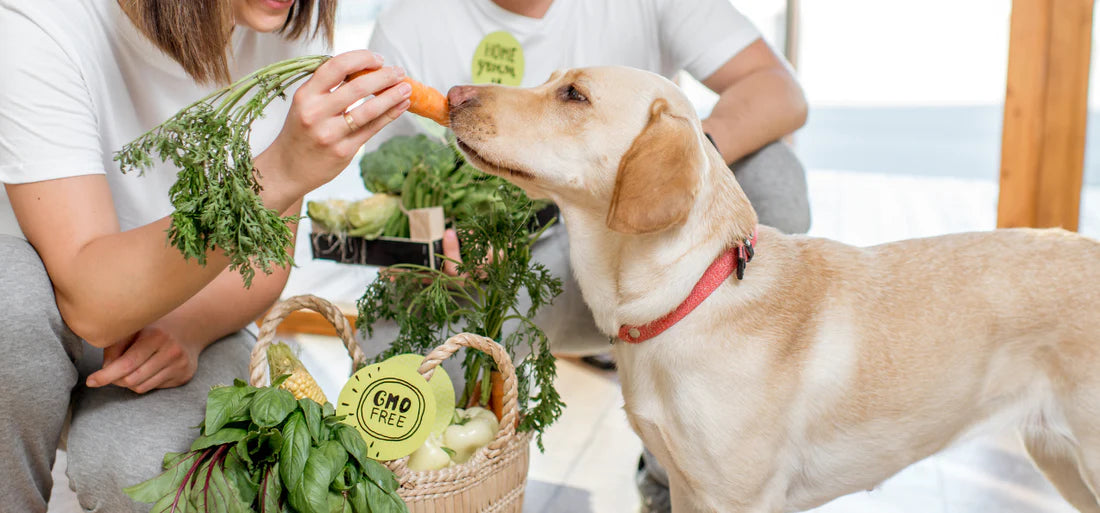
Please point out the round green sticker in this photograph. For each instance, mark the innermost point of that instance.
(440, 384)
(392, 406)
(498, 60)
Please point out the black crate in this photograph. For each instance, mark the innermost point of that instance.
(386, 251)
(383, 251)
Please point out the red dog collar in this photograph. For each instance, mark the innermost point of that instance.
(729, 262)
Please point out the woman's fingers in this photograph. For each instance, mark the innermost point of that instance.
(364, 86)
(111, 353)
(335, 70)
(165, 378)
(362, 115)
(165, 357)
(375, 122)
(134, 357)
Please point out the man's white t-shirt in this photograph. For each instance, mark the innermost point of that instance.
(79, 81)
(435, 40)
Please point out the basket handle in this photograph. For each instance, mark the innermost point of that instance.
(511, 393)
(257, 367)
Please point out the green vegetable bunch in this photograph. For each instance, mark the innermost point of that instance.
(329, 215)
(430, 306)
(397, 165)
(419, 172)
(261, 450)
(216, 195)
(369, 218)
(429, 172)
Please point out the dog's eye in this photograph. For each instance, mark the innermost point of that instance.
(570, 93)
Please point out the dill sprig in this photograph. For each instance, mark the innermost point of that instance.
(429, 306)
(216, 194)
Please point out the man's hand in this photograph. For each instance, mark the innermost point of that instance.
(151, 358)
(454, 257)
(450, 250)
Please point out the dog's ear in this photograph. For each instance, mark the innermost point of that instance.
(657, 177)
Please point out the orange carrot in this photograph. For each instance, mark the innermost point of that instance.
(426, 101)
(423, 101)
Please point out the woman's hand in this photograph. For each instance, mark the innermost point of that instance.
(151, 358)
(321, 135)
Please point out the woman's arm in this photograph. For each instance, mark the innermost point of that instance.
(759, 102)
(225, 306)
(110, 284)
(165, 353)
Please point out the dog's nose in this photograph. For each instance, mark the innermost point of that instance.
(461, 94)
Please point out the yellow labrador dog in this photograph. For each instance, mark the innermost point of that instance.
(772, 373)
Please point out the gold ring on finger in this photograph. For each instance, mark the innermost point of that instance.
(350, 121)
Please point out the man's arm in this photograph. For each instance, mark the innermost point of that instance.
(759, 102)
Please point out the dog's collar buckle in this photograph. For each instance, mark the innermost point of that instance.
(731, 261)
(745, 252)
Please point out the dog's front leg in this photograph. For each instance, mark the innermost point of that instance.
(696, 488)
(686, 500)
(683, 497)
(682, 500)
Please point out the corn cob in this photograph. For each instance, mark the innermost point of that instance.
(281, 360)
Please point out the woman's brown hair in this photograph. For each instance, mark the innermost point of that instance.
(196, 32)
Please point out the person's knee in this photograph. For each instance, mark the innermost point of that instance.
(119, 438)
(38, 372)
(774, 180)
(112, 445)
(39, 351)
(28, 298)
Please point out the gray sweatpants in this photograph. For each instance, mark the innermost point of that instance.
(116, 438)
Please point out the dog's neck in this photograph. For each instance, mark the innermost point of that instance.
(634, 279)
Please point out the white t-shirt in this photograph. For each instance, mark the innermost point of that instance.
(79, 81)
(435, 40)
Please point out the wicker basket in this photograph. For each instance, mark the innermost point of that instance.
(492, 480)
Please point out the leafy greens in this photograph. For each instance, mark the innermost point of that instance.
(262, 450)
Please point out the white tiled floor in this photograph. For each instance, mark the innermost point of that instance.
(591, 453)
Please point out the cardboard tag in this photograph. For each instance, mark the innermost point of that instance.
(498, 60)
(392, 406)
(426, 224)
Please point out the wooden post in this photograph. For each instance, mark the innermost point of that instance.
(791, 31)
(1045, 113)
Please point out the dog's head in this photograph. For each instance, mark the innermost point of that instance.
(612, 139)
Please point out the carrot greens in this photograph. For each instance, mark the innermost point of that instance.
(216, 195)
(429, 306)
